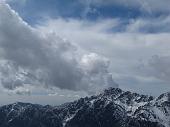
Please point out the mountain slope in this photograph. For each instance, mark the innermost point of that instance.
(112, 108)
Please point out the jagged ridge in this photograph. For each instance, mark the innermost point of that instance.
(112, 108)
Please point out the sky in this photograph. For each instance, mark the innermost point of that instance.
(55, 51)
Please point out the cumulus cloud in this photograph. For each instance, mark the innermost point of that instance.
(60, 63)
(29, 56)
(96, 71)
(129, 50)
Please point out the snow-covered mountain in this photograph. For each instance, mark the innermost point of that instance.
(112, 108)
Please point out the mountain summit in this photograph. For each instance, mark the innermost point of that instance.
(111, 108)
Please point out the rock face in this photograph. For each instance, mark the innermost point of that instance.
(112, 108)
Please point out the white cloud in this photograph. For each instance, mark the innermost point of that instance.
(81, 65)
(29, 56)
(127, 51)
(22, 91)
(96, 69)
(52, 94)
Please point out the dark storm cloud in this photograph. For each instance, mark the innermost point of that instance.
(30, 57)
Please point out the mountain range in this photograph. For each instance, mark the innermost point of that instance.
(111, 108)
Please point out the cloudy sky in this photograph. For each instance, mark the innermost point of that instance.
(54, 51)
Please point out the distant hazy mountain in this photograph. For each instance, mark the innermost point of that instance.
(112, 108)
